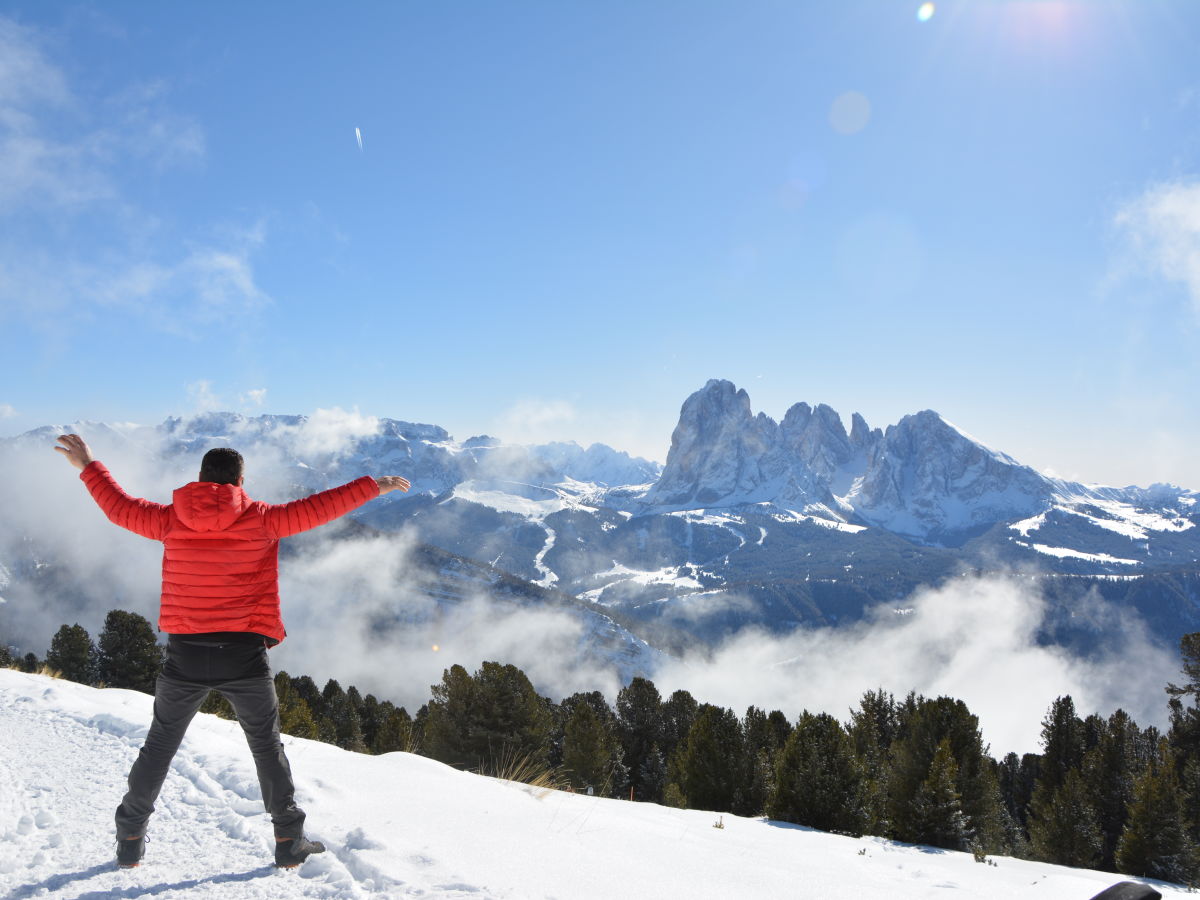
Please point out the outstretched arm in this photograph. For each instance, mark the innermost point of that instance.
(139, 516)
(286, 519)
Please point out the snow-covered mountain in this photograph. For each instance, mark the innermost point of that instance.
(922, 478)
(401, 825)
(750, 521)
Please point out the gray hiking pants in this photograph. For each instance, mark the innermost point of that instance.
(240, 672)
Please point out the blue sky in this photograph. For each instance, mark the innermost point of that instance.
(566, 217)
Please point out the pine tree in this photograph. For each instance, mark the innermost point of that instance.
(640, 727)
(72, 654)
(923, 724)
(349, 722)
(1110, 769)
(29, 663)
(1063, 825)
(1018, 775)
(938, 818)
(1062, 743)
(1156, 843)
(395, 732)
(306, 689)
(565, 710)
(371, 715)
(296, 719)
(481, 720)
(874, 727)
(591, 752)
(710, 767)
(341, 724)
(678, 714)
(332, 711)
(129, 656)
(819, 781)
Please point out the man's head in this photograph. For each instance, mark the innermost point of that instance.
(222, 465)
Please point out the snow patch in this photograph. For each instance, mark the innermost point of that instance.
(1067, 553)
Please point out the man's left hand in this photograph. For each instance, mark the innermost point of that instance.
(76, 450)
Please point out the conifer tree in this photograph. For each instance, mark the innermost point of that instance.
(1062, 744)
(348, 720)
(129, 656)
(1017, 776)
(395, 731)
(640, 728)
(924, 724)
(819, 781)
(591, 752)
(29, 663)
(937, 812)
(710, 767)
(72, 654)
(873, 728)
(6, 657)
(478, 721)
(565, 710)
(678, 714)
(332, 711)
(1110, 769)
(1063, 825)
(1156, 843)
(297, 720)
(306, 689)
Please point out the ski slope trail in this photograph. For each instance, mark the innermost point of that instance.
(404, 826)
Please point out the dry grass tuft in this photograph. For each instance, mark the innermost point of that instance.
(526, 768)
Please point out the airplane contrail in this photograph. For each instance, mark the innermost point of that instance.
(358, 134)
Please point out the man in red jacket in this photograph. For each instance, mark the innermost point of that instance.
(220, 611)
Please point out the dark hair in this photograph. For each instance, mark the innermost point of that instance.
(222, 465)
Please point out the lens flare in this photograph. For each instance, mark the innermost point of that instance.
(925, 12)
(850, 113)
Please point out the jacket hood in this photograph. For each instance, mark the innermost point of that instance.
(205, 506)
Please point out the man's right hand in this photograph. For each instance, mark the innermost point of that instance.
(392, 483)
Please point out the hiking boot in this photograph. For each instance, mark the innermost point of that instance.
(130, 851)
(290, 852)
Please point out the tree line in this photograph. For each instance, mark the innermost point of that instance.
(1103, 793)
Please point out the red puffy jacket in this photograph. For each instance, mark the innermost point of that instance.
(221, 549)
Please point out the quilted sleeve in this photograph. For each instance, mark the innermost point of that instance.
(142, 517)
(285, 519)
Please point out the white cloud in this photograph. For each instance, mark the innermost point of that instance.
(331, 431)
(533, 421)
(255, 397)
(1163, 225)
(202, 398)
(975, 639)
(66, 152)
(7, 411)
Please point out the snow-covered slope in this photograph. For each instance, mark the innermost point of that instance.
(404, 826)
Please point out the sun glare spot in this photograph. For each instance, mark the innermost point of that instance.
(925, 12)
(850, 113)
(436, 648)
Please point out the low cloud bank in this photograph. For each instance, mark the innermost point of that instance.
(972, 638)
